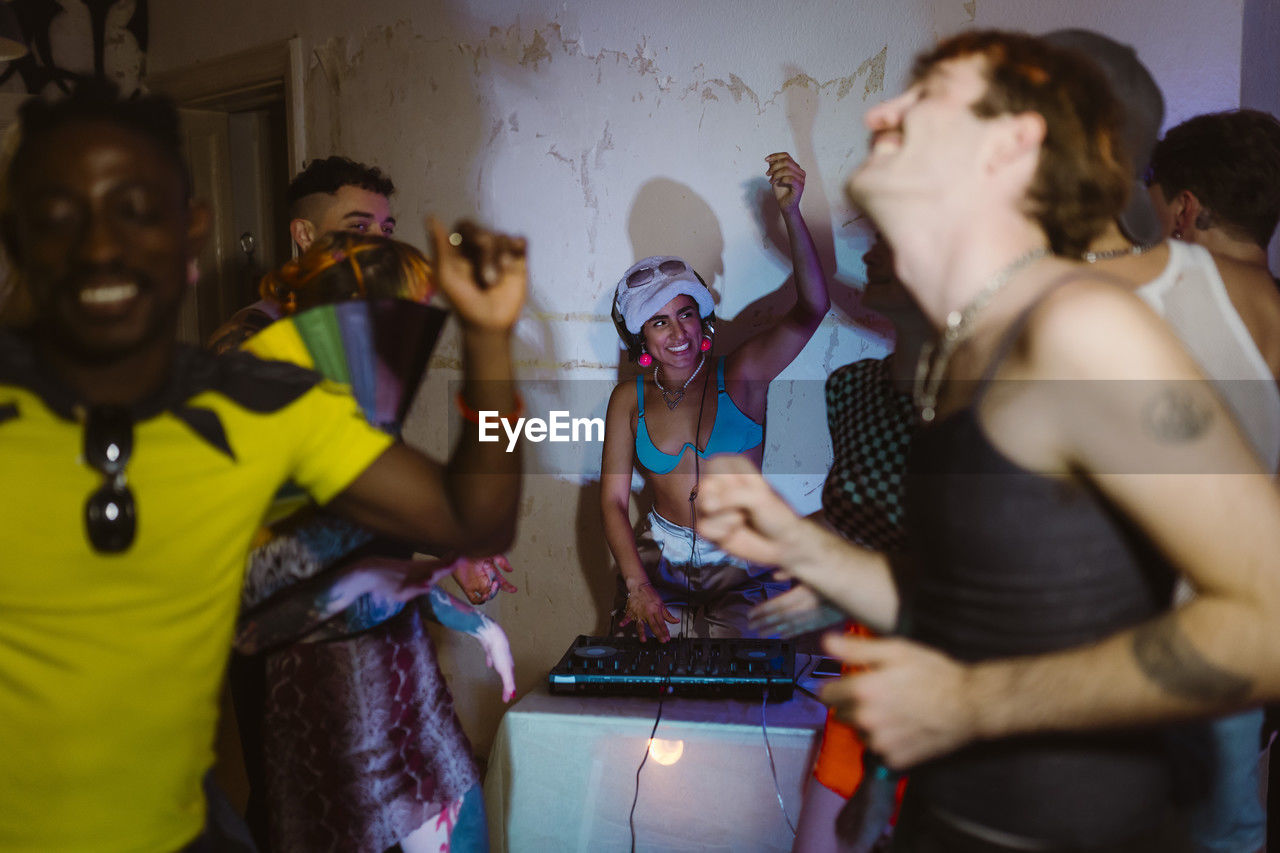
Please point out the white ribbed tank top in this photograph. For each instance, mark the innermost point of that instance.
(1190, 295)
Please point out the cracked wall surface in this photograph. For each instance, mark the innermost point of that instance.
(605, 131)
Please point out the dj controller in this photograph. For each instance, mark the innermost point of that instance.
(728, 667)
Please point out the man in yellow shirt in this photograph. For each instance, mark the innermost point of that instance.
(138, 470)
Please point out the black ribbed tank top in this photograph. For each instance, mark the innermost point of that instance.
(1008, 562)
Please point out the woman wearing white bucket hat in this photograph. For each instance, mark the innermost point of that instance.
(673, 416)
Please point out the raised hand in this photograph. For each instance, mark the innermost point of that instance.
(908, 702)
(483, 273)
(646, 610)
(787, 179)
(481, 578)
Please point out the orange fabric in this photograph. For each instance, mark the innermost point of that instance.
(839, 764)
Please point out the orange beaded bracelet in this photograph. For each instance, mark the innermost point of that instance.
(474, 416)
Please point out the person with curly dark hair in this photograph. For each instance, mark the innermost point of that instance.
(330, 194)
(339, 194)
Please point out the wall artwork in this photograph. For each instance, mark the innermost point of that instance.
(40, 67)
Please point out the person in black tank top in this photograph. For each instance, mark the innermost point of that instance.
(1047, 510)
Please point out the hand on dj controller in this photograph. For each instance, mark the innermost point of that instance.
(646, 610)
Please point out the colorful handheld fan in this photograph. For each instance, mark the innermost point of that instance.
(378, 347)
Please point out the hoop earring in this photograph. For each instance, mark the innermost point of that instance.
(705, 346)
(645, 359)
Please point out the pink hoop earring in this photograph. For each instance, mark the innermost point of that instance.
(705, 346)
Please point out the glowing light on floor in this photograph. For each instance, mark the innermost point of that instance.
(665, 752)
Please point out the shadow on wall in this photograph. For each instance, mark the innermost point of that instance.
(801, 103)
(669, 218)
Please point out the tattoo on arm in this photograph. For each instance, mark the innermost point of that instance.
(1167, 657)
(1176, 414)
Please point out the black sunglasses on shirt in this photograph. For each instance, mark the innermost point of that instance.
(110, 514)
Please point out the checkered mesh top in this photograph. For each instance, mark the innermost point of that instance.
(871, 424)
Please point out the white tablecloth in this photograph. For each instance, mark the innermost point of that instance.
(561, 775)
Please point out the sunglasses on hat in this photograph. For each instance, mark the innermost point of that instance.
(644, 275)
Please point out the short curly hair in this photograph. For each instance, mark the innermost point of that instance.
(1082, 180)
(332, 174)
(1230, 161)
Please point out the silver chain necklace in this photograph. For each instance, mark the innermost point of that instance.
(673, 398)
(1112, 254)
(931, 368)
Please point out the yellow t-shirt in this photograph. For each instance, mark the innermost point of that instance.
(110, 665)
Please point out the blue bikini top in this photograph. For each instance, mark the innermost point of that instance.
(733, 432)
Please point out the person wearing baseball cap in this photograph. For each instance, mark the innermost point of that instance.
(674, 415)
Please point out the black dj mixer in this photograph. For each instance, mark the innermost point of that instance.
(730, 667)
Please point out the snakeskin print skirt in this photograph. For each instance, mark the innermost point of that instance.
(361, 741)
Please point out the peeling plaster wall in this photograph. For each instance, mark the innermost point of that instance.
(605, 131)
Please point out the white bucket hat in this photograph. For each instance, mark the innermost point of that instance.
(653, 282)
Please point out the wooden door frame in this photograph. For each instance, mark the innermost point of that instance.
(245, 81)
(231, 82)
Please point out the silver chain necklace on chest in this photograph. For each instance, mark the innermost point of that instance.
(673, 398)
(1112, 254)
(934, 355)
